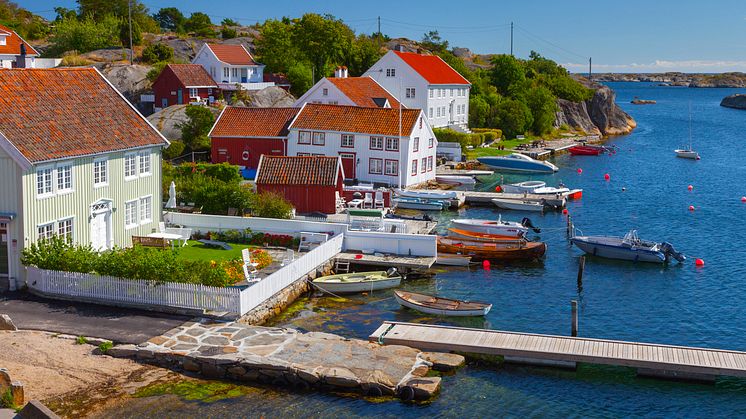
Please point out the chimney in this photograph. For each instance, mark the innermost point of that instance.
(21, 60)
(341, 72)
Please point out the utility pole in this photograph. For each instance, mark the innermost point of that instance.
(129, 12)
(511, 38)
(379, 32)
(590, 63)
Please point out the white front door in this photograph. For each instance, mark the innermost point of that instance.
(100, 228)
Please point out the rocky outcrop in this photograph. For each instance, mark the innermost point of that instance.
(600, 115)
(130, 80)
(270, 97)
(733, 79)
(737, 101)
(168, 121)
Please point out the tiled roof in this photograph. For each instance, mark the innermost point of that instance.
(310, 170)
(13, 43)
(253, 122)
(192, 75)
(232, 54)
(432, 68)
(362, 91)
(383, 121)
(61, 113)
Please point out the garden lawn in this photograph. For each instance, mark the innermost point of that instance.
(195, 250)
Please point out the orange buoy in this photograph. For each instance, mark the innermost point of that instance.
(580, 171)
(564, 211)
(691, 207)
(690, 187)
(486, 264)
(607, 177)
(699, 262)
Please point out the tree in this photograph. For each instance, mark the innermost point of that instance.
(83, 35)
(507, 73)
(124, 33)
(433, 42)
(300, 76)
(200, 24)
(154, 53)
(99, 9)
(363, 53)
(275, 46)
(513, 117)
(229, 22)
(479, 111)
(543, 106)
(170, 19)
(228, 33)
(155, 71)
(194, 131)
(323, 40)
(64, 13)
(270, 205)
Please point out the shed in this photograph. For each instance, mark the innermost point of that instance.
(310, 183)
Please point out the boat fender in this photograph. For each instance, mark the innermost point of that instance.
(406, 393)
(390, 272)
(374, 391)
(301, 385)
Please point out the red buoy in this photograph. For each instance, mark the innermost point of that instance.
(743, 199)
(607, 177)
(564, 211)
(690, 187)
(691, 207)
(580, 171)
(699, 262)
(498, 188)
(486, 264)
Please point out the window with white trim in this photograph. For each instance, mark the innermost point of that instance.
(438, 113)
(392, 167)
(304, 137)
(324, 92)
(390, 72)
(144, 163)
(375, 166)
(303, 154)
(45, 231)
(348, 140)
(430, 93)
(430, 112)
(130, 214)
(65, 229)
(376, 143)
(100, 172)
(64, 178)
(226, 72)
(319, 138)
(423, 165)
(430, 142)
(409, 92)
(392, 144)
(416, 144)
(44, 186)
(414, 167)
(146, 209)
(193, 92)
(130, 165)
(430, 164)
(451, 92)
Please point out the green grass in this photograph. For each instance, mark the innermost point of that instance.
(511, 144)
(195, 250)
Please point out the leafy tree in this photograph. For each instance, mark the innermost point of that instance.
(175, 149)
(155, 71)
(228, 33)
(513, 117)
(433, 42)
(229, 22)
(170, 19)
(479, 111)
(323, 40)
(200, 24)
(124, 33)
(99, 9)
(300, 76)
(154, 53)
(64, 13)
(543, 106)
(194, 130)
(507, 73)
(275, 45)
(83, 35)
(270, 205)
(363, 53)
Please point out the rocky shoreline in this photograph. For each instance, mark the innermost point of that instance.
(723, 80)
(600, 115)
(737, 101)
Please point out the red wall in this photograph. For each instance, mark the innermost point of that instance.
(236, 146)
(167, 83)
(307, 199)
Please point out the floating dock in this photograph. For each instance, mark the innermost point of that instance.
(402, 263)
(663, 361)
(485, 198)
(448, 170)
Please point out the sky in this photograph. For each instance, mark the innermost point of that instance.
(620, 36)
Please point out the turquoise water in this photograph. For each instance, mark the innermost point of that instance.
(676, 304)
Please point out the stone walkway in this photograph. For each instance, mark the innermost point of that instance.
(287, 357)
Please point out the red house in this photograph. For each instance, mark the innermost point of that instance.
(310, 183)
(179, 84)
(241, 135)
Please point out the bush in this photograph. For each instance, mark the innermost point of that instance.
(105, 346)
(72, 59)
(81, 340)
(174, 150)
(85, 34)
(270, 205)
(221, 171)
(228, 33)
(155, 71)
(194, 130)
(448, 135)
(157, 52)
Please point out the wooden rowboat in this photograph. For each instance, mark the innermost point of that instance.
(449, 259)
(441, 306)
(456, 233)
(515, 250)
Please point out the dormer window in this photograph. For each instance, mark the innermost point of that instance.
(3, 40)
(325, 92)
(390, 72)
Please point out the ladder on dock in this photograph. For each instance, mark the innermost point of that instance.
(341, 266)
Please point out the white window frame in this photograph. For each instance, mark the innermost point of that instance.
(133, 175)
(377, 141)
(304, 137)
(97, 183)
(60, 171)
(318, 138)
(45, 181)
(348, 141)
(430, 112)
(423, 164)
(130, 220)
(324, 92)
(143, 159)
(226, 72)
(416, 144)
(431, 93)
(391, 170)
(392, 141)
(45, 231)
(430, 142)
(379, 166)
(61, 222)
(193, 92)
(409, 92)
(145, 209)
(390, 72)
(430, 163)
(414, 167)
(303, 154)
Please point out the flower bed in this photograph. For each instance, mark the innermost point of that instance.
(249, 237)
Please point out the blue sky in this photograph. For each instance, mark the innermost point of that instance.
(629, 36)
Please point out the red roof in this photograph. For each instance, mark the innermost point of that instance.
(362, 91)
(232, 54)
(70, 112)
(192, 75)
(253, 122)
(382, 121)
(13, 43)
(432, 68)
(305, 171)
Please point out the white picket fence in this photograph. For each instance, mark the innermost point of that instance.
(258, 293)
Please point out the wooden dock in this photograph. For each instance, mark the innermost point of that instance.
(555, 147)
(664, 361)
(485, 198)
(402, 263)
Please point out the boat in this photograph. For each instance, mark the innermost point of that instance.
(448, 259)
(440, 306)
(688, 153)
(455, 179)
(518, 163)
(511, 250)
(522, 187)
(358, 282)
(498, 227)
(425, 194)
(630, 247)
(420, 204)
(518, 205)
(586, 150)
(550, 190)
(456, 233)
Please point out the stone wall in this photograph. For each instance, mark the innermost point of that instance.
(15, 387)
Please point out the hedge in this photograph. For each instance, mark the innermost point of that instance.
(475, 139)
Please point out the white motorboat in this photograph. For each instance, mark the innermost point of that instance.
(455, 180)
(630, 247)
(518, 163)
(497, 227)
(420, 204)
(550, 190)
(523, 187)
(358, 282)
(425, 194)
(518, 205)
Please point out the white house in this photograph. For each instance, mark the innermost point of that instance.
(425, 82)
(379, 145)
(230, 65)
(76, 160)
(351, 91)
(15, 52)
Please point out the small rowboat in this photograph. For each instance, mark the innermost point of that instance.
(420, 204)
(441, 306)
(358, 282)
(455, 233)
(448, 259)
(523, 187)
(515, 250)
(586, 150)
(455, 179)
(518, 205)
(425, 194)
(498, 227)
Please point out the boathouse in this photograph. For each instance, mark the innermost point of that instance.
(310, 183)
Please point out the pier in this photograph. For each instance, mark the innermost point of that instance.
(385, 261)
(485, 198)
(663, 361)
(555, 147)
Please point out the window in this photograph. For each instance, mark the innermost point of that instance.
(145, 163)
(3, 40)
(65, 229)
(303, 154)
(45, 231)
(430, 164)
(65, 178)
(304, 137)
(130, 214)
(443, 92)
(437, 91)
(100, 172)
(392, 167)
(392, 144)
(348, 140)
(193, 92)
(390, 72)
(438, 109)
(376, 143)
(416, 144)
(409, 92)
(325, 92)
(423, 166)
(209, 91)
(375, 166)
(414, 167)
(420, 122)
(130, 164)
(318, 138)
(430, 93)
(333, 102)
(226, 72)
(44, 181)
(146, 209)
(213, 73)
(451, 92)
(430, 142)
(234, 72)
(430, 112)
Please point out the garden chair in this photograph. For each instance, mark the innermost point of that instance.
(249, 266)
(289, 257)
(378, 203)
(368, 201)
(340, 202)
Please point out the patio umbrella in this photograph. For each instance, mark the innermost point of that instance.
(171, 196)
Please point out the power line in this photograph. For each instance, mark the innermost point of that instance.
(431, 26)
(537, 37)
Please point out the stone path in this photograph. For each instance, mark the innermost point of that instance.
(287, 357)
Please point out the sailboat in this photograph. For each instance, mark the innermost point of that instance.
(688, 153)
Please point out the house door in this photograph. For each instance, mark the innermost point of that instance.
(4, 244)
(244, 76)
(348, 164)
(450, 113)
(101, 226)
(179, 97)
(164, 103)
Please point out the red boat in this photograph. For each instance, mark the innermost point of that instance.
(586, 150)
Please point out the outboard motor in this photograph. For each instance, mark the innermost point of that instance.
(390, 272)
(526, 222)
(669, 251)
